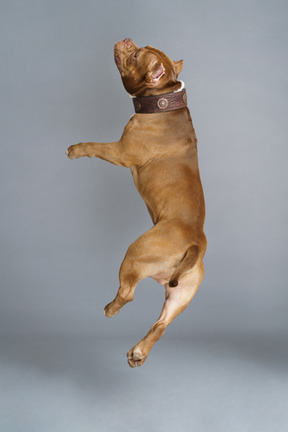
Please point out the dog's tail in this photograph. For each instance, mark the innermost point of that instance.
(189, 260)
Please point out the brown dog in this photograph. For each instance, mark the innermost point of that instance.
(159, 145)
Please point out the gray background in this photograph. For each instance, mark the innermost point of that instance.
(66, 225)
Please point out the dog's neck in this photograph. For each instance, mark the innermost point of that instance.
(161, 103)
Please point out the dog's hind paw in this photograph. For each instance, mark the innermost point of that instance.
(135, 357)
(110, 310)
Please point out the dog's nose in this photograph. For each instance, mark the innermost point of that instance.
(128, 42)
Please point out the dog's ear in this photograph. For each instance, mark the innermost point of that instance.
(153, 77)
(178, 66)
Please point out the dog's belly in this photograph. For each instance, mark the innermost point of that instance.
(162, 280)
(134, 172)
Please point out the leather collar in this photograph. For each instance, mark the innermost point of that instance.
(160, 103)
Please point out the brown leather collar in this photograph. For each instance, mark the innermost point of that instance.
(160, 103)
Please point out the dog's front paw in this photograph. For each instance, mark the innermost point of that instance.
(76, 151)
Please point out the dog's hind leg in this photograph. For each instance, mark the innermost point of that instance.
(145, 257)
(129, 278)
(177, 299)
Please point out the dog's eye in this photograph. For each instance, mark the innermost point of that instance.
(134, 55)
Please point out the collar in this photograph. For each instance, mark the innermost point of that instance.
(161, 103)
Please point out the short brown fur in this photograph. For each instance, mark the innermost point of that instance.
(161, 151)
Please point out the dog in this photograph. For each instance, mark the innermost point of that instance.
(159, 145)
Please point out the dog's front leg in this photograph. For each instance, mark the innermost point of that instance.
(111, 152)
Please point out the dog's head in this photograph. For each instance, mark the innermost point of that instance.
(146, 71)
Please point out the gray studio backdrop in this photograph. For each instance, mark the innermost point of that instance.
(66, 225)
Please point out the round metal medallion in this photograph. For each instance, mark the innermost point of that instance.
(185, 98)
(162, 103)
(137, 105)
